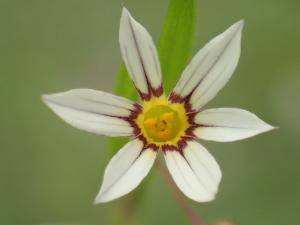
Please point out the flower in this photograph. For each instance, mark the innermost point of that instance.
(171, 124)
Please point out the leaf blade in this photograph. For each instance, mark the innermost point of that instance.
(177, 39)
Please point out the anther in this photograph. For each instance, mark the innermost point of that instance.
(151, 123)
(168, 116)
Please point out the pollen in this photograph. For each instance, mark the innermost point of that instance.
(169, 116)
(162, 122)
(150, 123)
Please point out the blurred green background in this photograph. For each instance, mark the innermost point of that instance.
(51, 172)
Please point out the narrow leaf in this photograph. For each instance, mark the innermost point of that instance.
(177, 39)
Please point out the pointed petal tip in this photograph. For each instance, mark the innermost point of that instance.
(102, 197)
(125, 12)
(99, 199)
(96, 201)
(45, 98)
(264, 129)
(50, 96)
(269, 127)
(239, 25)
(124, 9)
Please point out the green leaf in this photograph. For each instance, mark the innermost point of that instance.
(124, 86)
(177, 40)
(175, 47)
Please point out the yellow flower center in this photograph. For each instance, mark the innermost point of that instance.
(162, 122)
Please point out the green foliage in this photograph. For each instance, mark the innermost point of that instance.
(177, 39)
(175, 46)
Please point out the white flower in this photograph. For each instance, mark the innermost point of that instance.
(171, 124)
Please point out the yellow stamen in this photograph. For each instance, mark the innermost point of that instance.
(164, 135)
(150, 123)
(168, 117)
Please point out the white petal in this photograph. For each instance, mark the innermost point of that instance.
(139, 54)
(211, 67)
(125, 171)
(196, 172)
(204, 165)
(93, 111)
(228, 124)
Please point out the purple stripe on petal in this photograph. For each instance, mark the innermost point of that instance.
(158, 91)
(175, 98)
